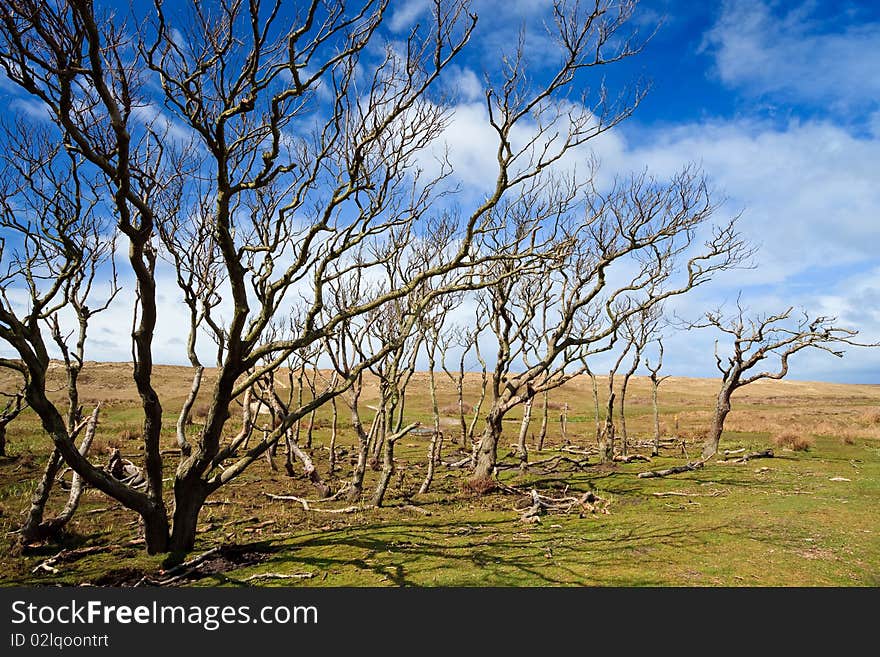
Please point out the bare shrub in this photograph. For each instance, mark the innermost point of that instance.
(793, 441)
(479, 486)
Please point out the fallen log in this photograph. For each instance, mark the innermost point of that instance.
(763, 454)
(278, 576)
(620, 458)
(307, 504)
(688, 467)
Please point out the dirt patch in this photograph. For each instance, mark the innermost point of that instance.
(229, 558)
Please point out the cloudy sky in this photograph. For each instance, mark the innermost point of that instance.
(776, 101)
(779, 103)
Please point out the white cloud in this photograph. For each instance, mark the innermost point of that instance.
(795, 56)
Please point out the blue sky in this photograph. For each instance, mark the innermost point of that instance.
(779, 102)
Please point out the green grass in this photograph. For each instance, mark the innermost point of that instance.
(768, 522)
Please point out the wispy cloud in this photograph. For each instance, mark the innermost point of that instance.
(795, 55)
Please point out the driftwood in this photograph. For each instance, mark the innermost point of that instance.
(620, 458)
(307, 504)
(179, 572)
(587, 502)
(49, 564)
(676, 493)
(541, 504)
(763, 454)
(124, 470)
(278, 576)
(688, 467)
(458, 464)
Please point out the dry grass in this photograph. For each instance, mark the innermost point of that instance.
(452, 409)
(479, 486)
(871, 417)
(793, 441)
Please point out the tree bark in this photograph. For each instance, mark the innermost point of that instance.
(334, 426)
(596, 405)
(487, 450)
(655, 450)
(189, 497)
(436, 444)
(722, 408)
(606, 443)
(523, 432)
(542, 436)
(183, 418)
(31, 530)
(387, 472)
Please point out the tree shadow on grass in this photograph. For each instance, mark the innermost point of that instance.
(492, 553)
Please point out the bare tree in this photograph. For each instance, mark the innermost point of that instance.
(640, 330)
(640, 222)
(656, 380)
(608, 436)
(58, 245)
(432, 329)
(15, 403)
(758, 339)
(301, 162)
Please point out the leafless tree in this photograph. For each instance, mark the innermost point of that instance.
(640, 224)
(57, 247)
(431, 326)
(760, 338)
(264, 119)
(15, 403)
(608, 437)
(656, 380)
(639, 330)
(465, 340)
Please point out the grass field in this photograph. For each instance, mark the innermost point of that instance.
(801, 518)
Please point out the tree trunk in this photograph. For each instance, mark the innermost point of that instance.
(360, 468)
(596, 405)
(334, 425)
(722, 408)
(542, 436)
(459, 391)
(189, 497)
(310, 430)
(387, 472)
(32, 529)
(606, 443)
(487, 450)
(2, 438)
(523, 432)
(436, 444)
(655, 451)
(563, 422)
(623, 434)
(51, 528)
(185, 447)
